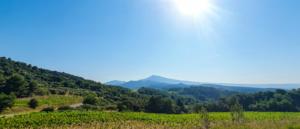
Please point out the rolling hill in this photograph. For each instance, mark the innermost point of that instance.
(17, 77)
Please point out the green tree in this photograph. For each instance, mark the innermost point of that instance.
(16, 84)
(6, 101)
(129, 105)
(237, 112)
(2, 80)
(33, 87)
(33, 103)
(158, 104)
(205, 122)
(90, 99)
(181, 107)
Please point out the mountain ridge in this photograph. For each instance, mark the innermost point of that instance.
(156, 81)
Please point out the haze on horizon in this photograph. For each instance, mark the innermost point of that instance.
(228, 41)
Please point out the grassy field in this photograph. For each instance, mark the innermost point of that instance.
(115, 120)
(21, 105)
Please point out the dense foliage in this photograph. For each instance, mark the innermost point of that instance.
(6, 101)
(280, 100)
(24, 80)
(202, 93)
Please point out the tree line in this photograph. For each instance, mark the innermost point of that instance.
(279, 100)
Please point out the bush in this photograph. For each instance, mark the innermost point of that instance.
(111, 107)
(91, 100)
(90, 107)
(33, 103)
(48, 109)
(64, 108)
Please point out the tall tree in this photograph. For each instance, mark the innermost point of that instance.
(181, 106)
(158, 104)
(32, 87)
(6, 101)
(2, 80)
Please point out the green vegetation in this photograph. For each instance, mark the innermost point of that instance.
(91, 99)
(33, 103)
(25, 81)
(205, 119)
(48, 109)
(6, 101)
(21, 104)
(53, 100)
(253, 120)
(159, 104)
(60, 100)
(202, 93)
(280, 101)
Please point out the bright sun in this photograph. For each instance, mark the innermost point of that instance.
(194, 8)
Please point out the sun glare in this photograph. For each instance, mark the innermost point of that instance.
(203, 15)
(194, 8)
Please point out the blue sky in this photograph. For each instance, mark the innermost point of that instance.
(246, 41)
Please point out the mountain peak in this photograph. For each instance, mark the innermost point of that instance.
(160, 79)
(155, 77)
(115, 82)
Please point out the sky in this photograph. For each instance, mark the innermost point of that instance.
(226, 41)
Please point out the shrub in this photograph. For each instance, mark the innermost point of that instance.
(48, 109)
(64, 108)
(33, 103)
(111, 107)
(91, 100)
(90, 107)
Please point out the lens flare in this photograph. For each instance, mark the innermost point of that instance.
(194, 7)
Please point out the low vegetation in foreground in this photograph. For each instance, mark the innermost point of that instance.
(21, 105)
(130, 120)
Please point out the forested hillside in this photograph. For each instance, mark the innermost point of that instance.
(24, 80)
(202, 93)
(25, 74)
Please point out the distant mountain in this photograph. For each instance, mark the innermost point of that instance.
(115, 83)
(278, 86)
(159, 82)
(160, 79)
(154, 81)
(239, 88)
